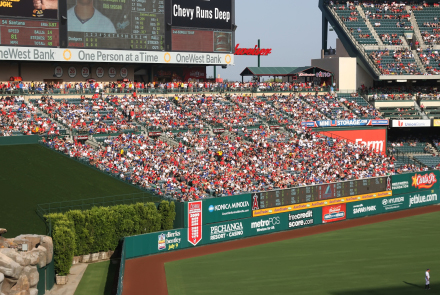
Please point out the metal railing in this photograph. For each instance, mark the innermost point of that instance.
(164, 91)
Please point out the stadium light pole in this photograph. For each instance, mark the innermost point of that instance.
(258, 55)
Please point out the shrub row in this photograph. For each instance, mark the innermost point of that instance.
(100, 229)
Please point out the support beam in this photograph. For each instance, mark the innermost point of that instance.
(324, 32)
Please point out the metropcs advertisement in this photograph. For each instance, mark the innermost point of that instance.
(118, 56)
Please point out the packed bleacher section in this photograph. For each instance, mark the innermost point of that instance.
(359, 106)
(197, 163)
(88, 115)
(96, 88)
(19, 118)
(395, 62)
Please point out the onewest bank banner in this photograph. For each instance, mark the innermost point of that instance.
(97, 55)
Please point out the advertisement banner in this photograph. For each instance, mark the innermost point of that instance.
(296, 207)
(304, 218)
(114, 56)
(334, 213)
(345, 123)
(362, 209)
(213, 14)
(194, 222)
(423, 199)
(226, 231)
(394, 203)
(153, 243)
(413, 182)
(374, 139)
(411, 123)
(436, 123)
(227, 208)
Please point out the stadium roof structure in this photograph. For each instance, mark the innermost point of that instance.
(277, 71)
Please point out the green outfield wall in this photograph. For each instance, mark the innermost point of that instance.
(230, 218)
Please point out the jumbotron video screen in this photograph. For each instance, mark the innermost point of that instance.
(116, 24)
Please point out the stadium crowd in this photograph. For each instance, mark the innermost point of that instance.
(198, 163)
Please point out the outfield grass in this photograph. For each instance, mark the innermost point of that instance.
(33, 174)
(98, 279)
(382, 258)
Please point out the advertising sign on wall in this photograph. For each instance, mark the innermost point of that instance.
(436, 123)
(413, 182)
(411, 123)
(195, 222)
(362, 209)
(214, 14)
(392, 204)
(346, 123)
(374, 139)
(226, 208)
(334, 213)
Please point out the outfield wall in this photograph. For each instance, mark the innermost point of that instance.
(203, 227)
(230, 218)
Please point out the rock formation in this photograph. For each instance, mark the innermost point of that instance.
(18, 268)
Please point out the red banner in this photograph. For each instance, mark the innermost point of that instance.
(375, 139)
(334, 213)
(195, 222)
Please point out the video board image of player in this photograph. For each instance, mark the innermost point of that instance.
(44, 9)
(84, 17)
(124, 24)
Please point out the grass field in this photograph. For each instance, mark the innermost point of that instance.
(383, 258)
(98, 279)
(32, 174)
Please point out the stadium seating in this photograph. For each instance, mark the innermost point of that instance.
(426, 17)
(400, 113)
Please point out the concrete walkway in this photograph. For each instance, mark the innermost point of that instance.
(73, 279)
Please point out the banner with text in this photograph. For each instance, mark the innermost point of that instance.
(346, 123)
(115, 56)
(413, 182)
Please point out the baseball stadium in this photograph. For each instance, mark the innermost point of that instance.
(128, 169)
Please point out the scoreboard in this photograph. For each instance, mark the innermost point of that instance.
(29, 32)
(307, 194)
(134, 25)
(122, 24)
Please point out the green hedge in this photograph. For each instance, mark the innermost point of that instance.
(100, 229)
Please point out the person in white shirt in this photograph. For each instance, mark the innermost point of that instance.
(84, 17)
(427, 277)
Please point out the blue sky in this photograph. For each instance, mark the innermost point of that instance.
(292, 28)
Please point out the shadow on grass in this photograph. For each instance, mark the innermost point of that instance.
(111, 284)
(405, 288)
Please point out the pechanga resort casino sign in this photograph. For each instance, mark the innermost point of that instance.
(252, 51)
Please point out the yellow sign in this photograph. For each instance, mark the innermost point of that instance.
(167, 57)
(228, 59)
(67, 54)
(437, 123)
(295, 207)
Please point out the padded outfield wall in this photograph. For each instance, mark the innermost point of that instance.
(229, 218)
